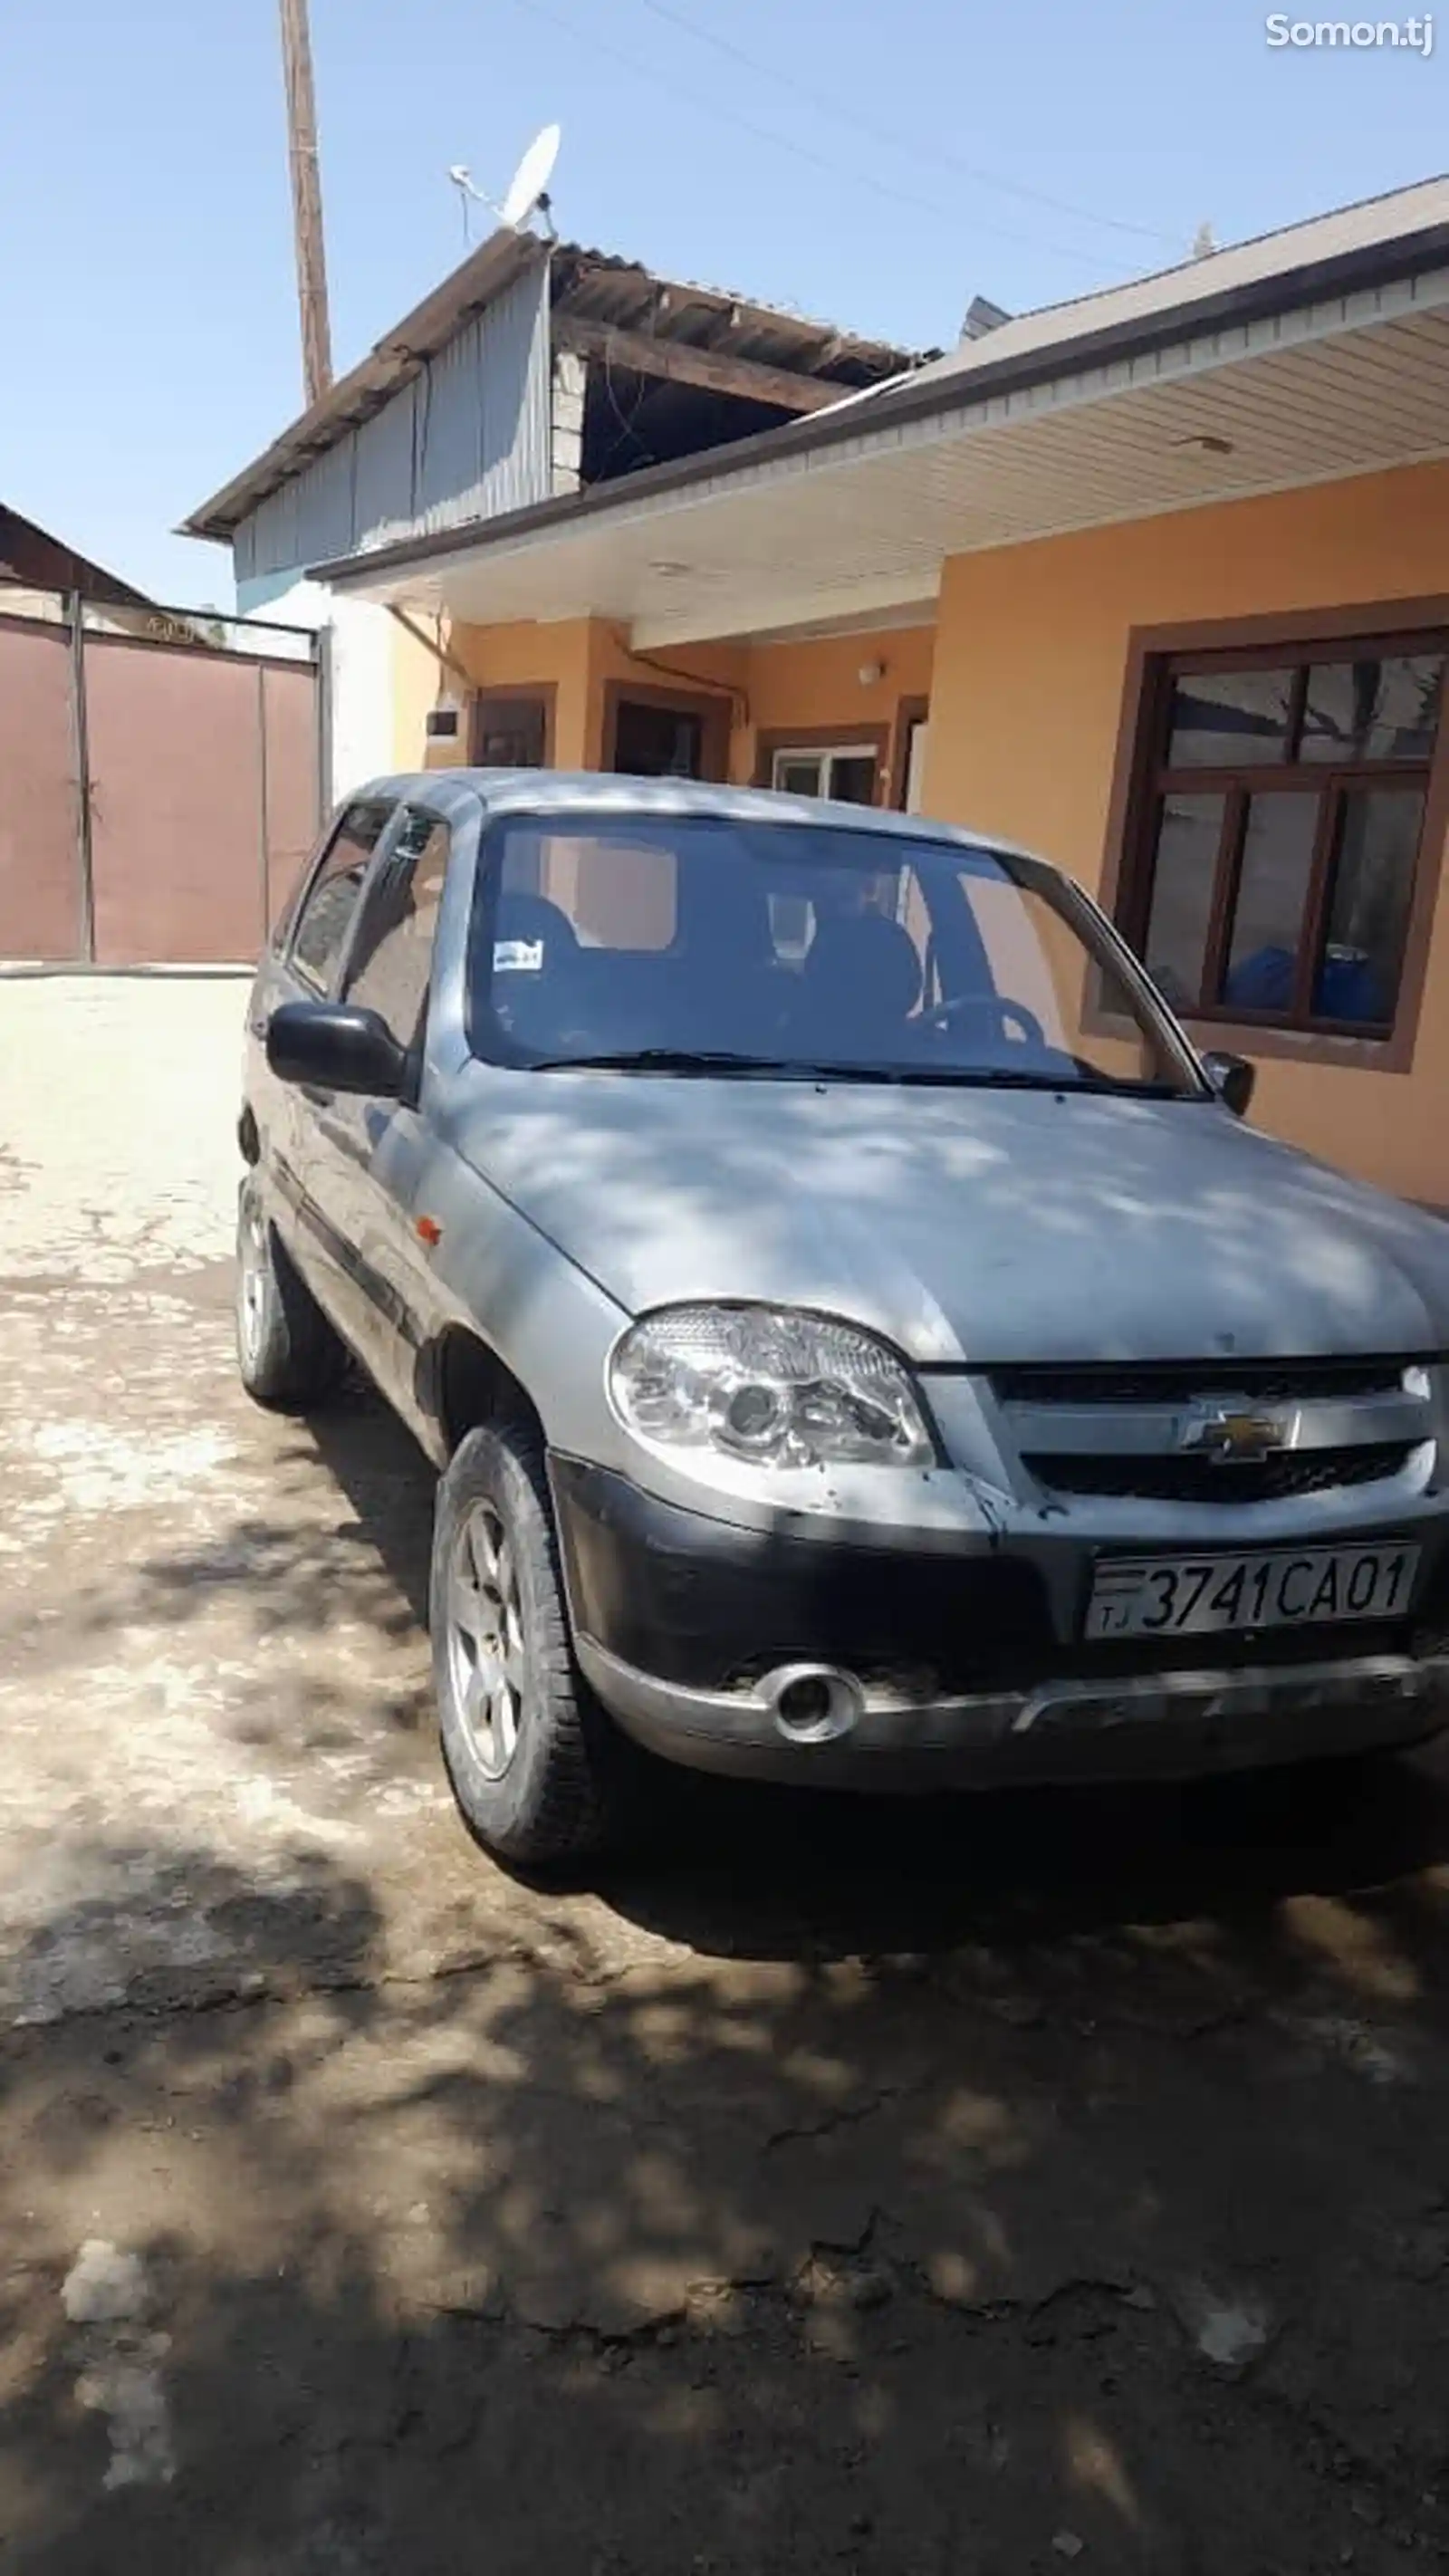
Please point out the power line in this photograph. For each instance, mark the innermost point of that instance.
(895, 142)
(786, 143)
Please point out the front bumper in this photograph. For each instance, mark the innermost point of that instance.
(964, 1677)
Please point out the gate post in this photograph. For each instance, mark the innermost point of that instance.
(81, 745)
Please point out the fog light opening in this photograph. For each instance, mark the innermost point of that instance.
(813, 1703)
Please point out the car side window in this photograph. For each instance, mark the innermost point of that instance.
(325, 916)
(393, 953)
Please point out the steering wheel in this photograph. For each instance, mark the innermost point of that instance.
(1006, 1014)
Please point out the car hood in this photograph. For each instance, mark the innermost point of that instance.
(961, 1224)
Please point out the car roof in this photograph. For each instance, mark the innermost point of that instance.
(583, 791)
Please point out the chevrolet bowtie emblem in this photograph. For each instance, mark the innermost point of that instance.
(1234, 1436)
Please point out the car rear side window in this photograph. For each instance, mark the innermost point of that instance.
(322, 924)
(393, 954)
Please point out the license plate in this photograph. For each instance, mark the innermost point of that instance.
(1181, 1596)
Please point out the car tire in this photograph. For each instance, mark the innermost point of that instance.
(288, 1355)
(533, 1760)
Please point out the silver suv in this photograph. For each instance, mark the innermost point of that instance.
(860, 1341)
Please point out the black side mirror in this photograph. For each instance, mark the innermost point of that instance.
(332, 1046)
(1233, 1079)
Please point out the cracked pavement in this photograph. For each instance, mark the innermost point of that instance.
(972, 2187)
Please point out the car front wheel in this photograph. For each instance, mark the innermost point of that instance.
(288, 1355)
(532, 1758)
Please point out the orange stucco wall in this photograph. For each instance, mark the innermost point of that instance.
(814, 685)
(771, 687)
(493, 657)
(1025, 671)
(1031, 655)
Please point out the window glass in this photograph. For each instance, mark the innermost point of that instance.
(1373, 710)
(1017, 949)
(852, 777)
(613, 893)
(1189, 831)
(509, 733)
(1227, 719)
(847, 776)
(652, 741)
(328, 906)
(799, 773)
(1237, 874)
(1368, 916)
(1272, 896)
(394, 953)
(792, 925)
(794, 947)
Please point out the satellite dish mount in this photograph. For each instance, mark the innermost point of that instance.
(527, 192)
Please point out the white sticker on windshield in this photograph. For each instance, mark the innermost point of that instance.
(517, 956)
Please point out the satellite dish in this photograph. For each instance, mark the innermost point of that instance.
(529, 185)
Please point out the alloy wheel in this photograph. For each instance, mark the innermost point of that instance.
(485, 1639)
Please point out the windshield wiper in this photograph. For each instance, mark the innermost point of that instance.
(1002, 1078)
(712, 1060)
(709, 1060)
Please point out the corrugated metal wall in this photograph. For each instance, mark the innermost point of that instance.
(467, 439)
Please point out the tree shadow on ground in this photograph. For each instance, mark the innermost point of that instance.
(818, 2265)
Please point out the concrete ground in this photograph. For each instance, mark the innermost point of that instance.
(987, 2186)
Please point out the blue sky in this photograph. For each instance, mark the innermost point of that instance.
(874, 161)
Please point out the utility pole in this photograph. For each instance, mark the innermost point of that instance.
(306, 200)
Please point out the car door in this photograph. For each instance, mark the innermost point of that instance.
(371, 1148)
(316, 949)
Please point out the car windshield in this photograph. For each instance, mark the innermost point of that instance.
(681, 943)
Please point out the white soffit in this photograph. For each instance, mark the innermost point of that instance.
(820, 536)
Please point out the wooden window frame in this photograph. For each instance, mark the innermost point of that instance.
(543, 693)
(847, 738)
(1154, 656)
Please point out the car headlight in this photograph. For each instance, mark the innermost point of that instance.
(781, 1389)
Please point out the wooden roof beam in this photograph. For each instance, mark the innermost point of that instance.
(686, 365)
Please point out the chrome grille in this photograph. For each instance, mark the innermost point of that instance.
(1150, 1431)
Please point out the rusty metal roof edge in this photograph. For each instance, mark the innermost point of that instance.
(783, 317)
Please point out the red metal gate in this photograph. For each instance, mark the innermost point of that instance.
(160, 781)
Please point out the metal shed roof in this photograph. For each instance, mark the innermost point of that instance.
(588, 285)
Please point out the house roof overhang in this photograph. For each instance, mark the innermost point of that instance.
(1322, 355)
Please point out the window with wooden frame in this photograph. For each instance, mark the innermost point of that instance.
(1269, 872)
(512, 728)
